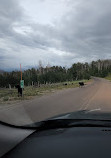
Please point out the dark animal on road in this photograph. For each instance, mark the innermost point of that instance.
(81, 84)
(19, 90)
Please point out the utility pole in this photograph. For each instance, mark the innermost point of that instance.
(21, 71)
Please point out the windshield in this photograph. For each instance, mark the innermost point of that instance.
(54, 60)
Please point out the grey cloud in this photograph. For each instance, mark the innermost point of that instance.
(9, 13)
(84, 31)
(87, 28)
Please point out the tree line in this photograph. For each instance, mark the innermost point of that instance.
(54, 74)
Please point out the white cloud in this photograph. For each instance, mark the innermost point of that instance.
(59, 32)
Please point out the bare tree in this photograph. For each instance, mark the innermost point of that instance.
(40, 67)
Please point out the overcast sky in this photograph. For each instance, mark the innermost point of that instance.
(59, 32)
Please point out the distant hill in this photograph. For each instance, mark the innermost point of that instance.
(1, 71)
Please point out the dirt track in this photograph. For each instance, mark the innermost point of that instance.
(94, 97)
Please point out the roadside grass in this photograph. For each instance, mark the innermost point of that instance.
(108, 77)
(10, 95)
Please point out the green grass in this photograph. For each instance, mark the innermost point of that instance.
(7, 95)
(108, 77)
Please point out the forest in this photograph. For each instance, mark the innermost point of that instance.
(55, 74)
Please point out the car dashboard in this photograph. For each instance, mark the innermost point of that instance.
(78, 142)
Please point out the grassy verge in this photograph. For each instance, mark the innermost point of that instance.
(108, 77)
(9, 95)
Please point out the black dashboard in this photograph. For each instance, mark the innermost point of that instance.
(75, 142)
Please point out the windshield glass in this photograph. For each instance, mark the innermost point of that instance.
(54, 59)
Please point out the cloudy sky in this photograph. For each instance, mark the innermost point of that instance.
(59, 32)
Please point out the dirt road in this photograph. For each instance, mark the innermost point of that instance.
(94, 97)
